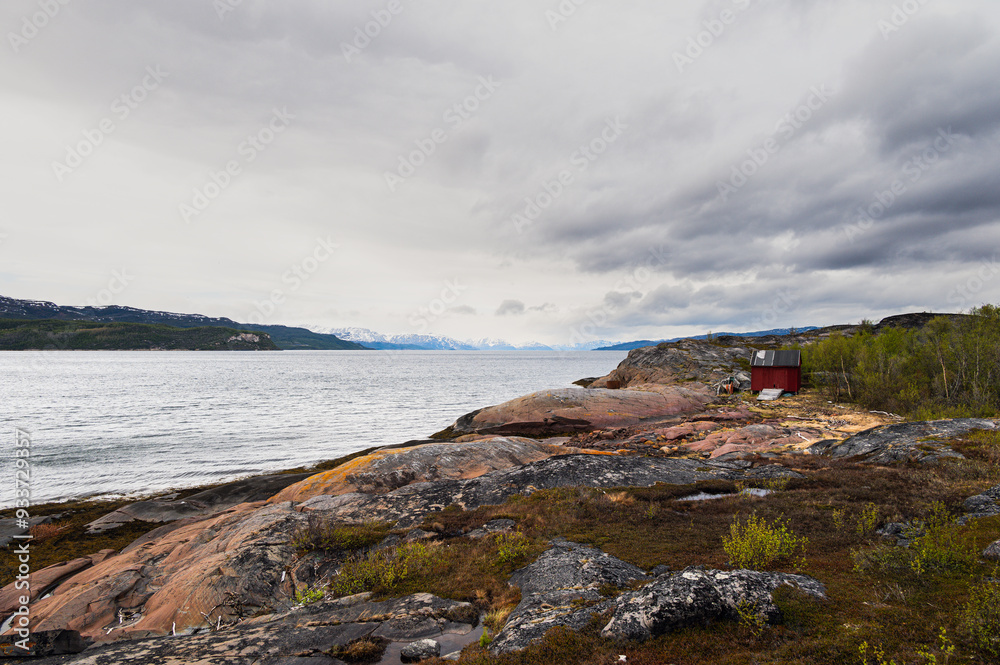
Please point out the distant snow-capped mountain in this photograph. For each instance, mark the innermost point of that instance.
(375, 340)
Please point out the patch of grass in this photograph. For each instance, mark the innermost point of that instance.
(322, 534)
(72, 541)
(361, 651)
(758, 544)
(384, 570)
(980, 445)
(496, 619)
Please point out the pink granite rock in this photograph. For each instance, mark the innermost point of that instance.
(569, 410)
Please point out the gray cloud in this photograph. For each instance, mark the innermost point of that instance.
(510, 308)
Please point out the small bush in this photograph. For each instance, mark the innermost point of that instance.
(756, 544)
(938, 544)
(944, 546)
(750, 619)
(382, 570)
(867, 521)
(42, 532)
(981, 616)
(510, 547)
(873, 655)
(308, 596)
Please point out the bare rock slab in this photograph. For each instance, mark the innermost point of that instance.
(916, 442)
(573, 410)
(391, 468)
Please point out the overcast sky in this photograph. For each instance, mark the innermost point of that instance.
(525, 169)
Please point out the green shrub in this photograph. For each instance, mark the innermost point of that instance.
(876, 657)
(750, 619)
(756, 544)
(510, 547)
(868, 520)
(938, 544)
(383, 570)
(944, 546)
(308, 596)
(981, 616)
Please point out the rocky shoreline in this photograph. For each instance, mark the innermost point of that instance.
(226, 575)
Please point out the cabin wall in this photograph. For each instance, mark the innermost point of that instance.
(788, 379)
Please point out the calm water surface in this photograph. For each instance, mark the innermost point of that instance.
(125, 423)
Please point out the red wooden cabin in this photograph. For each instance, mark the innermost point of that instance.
(776, 369)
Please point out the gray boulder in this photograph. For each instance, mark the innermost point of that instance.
(561, 589)
(992, 553)
(414, 652)
(986, 504)
(697, 596)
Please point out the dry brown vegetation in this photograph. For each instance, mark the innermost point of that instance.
(836, 508)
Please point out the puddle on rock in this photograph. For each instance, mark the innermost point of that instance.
(451, 641)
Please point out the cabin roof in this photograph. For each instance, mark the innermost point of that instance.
(776, 359)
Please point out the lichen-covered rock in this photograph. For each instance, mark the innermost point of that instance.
(568, 565)
(986, 504)
(992, 553)
(696, 596)
(391, 468)
(574, 410)
(560, 588)
(917, 441)
(415, 652)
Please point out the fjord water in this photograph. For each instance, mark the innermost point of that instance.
(126, 423)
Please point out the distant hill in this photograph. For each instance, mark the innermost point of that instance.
(284, 337)
(628, 346)
(27, 335)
